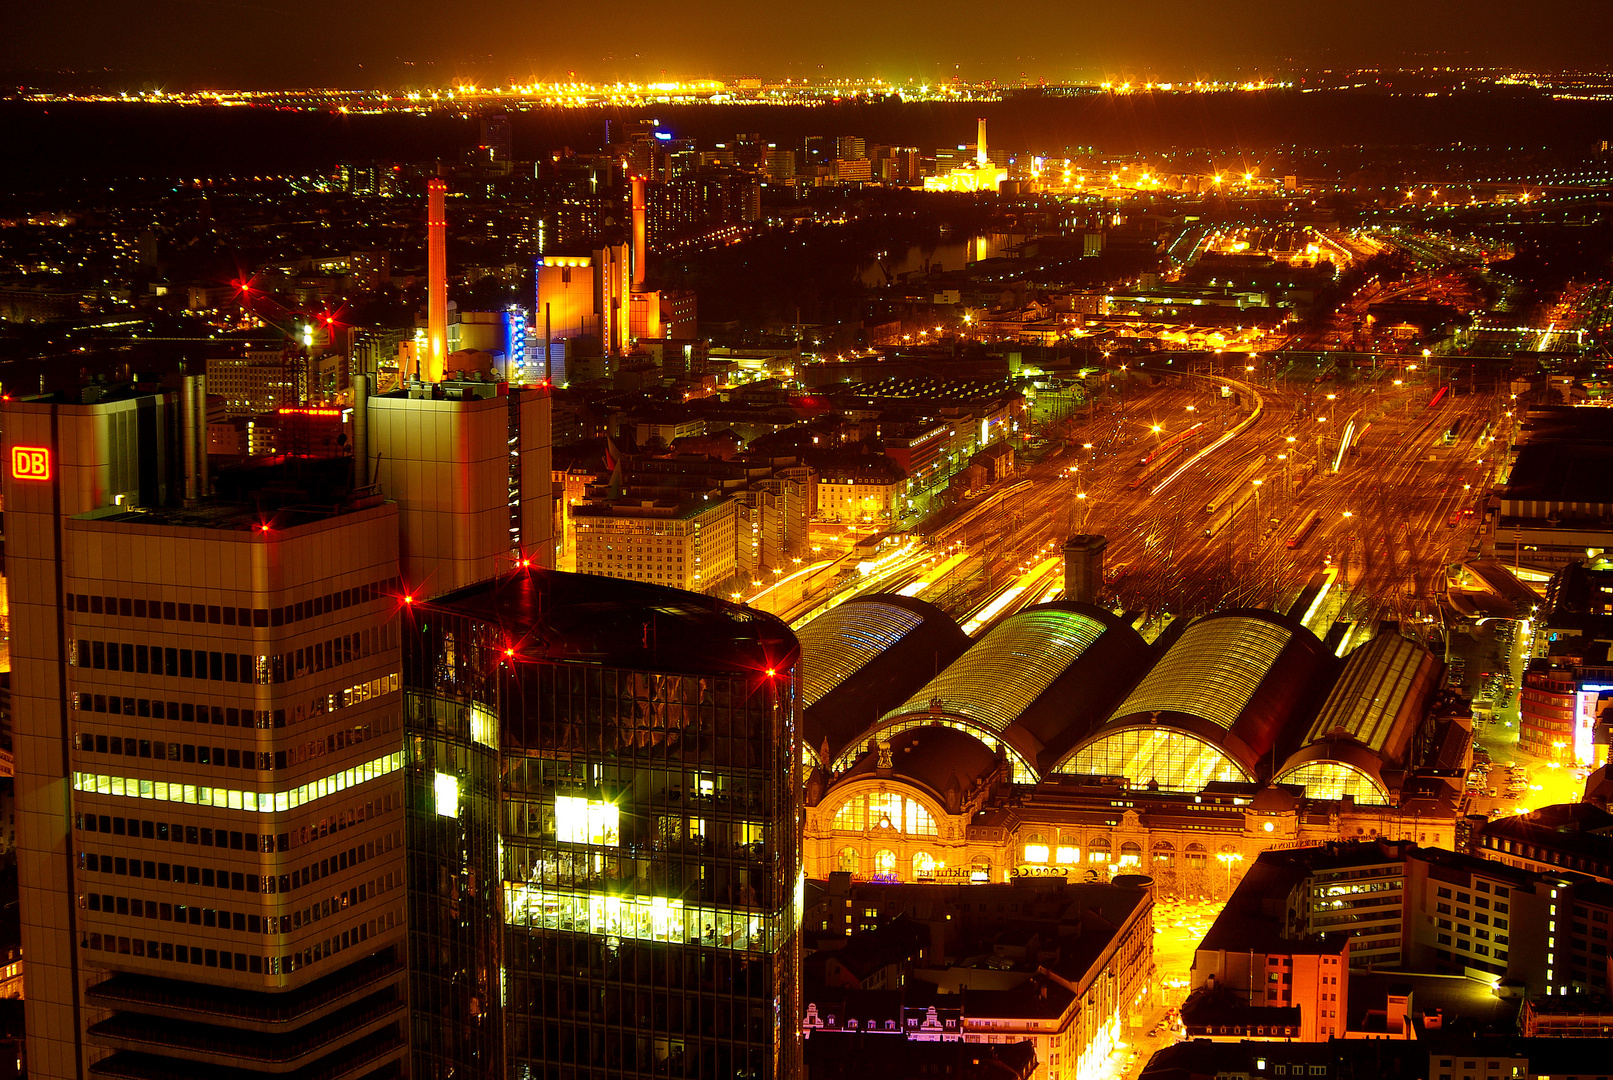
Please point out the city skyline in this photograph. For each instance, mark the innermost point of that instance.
(549, 569)
(499, 41)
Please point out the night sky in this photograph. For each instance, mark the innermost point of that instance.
(229, 43)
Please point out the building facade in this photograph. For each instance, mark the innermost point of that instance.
(689, 544)
(210, 800)
(612, 767)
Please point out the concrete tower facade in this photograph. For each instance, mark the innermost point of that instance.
(1083, 567)
(640, 233)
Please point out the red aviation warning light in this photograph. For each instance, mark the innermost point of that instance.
(30, 463)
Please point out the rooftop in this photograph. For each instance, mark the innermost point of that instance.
(546, 614)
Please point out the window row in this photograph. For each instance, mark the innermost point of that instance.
(202, 713)
(223, 878)
(146, 829)
(151, 608)
(172, 663)
(223, 958)
(180, 834)
(184, 711)
(263, 802)
(240, 921)
(221, 757)
(263, 670)
(188, 753)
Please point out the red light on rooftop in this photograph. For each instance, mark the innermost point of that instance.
(771, 673)
(408, 599)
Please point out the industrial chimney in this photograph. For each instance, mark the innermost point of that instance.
(431, 367)
(640, 233)
(1083, 567)
(980, 143)
(193, 436)
(361, 431)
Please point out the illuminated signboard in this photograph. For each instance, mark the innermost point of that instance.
(30, 463)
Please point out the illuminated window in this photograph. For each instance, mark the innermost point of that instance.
(924, 865)
(848, 860)
(1098, 849)
(584, 821)
(1332, 780)
(885, 811)
(885, 861)
(1176, 760)
(1131, 854)
(1069, 854)
(1164, 853)
(446, 789)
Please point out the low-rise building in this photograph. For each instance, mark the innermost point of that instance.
(687, 544)
(1065, 968)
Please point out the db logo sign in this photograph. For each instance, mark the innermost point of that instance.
(30, 463)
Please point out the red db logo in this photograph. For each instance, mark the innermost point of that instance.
(30, 463)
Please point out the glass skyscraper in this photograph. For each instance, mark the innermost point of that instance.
(605, 870)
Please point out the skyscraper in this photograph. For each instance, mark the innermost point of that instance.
(206, 712)
(605, 827)
(496, 136)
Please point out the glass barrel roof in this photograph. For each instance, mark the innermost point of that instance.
(1176, 760)
(1007, 670)
(1332, 780)
(1211, 671)
(839, 643)
(1371, 691)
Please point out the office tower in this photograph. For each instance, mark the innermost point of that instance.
(206, 703)
(261, 381)
(620, 760)
(496, 137)
(467, 463)
(436, 281)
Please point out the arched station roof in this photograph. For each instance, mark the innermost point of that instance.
(1037, 681)
(933, 759)
(1213, 706)
(1357, 744)
(863, 657)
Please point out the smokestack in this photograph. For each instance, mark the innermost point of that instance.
(361, 431)
(980, 143)
(1083, 567)
(193, 400)
(436, 357)
(640, 233)
(187, 431)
